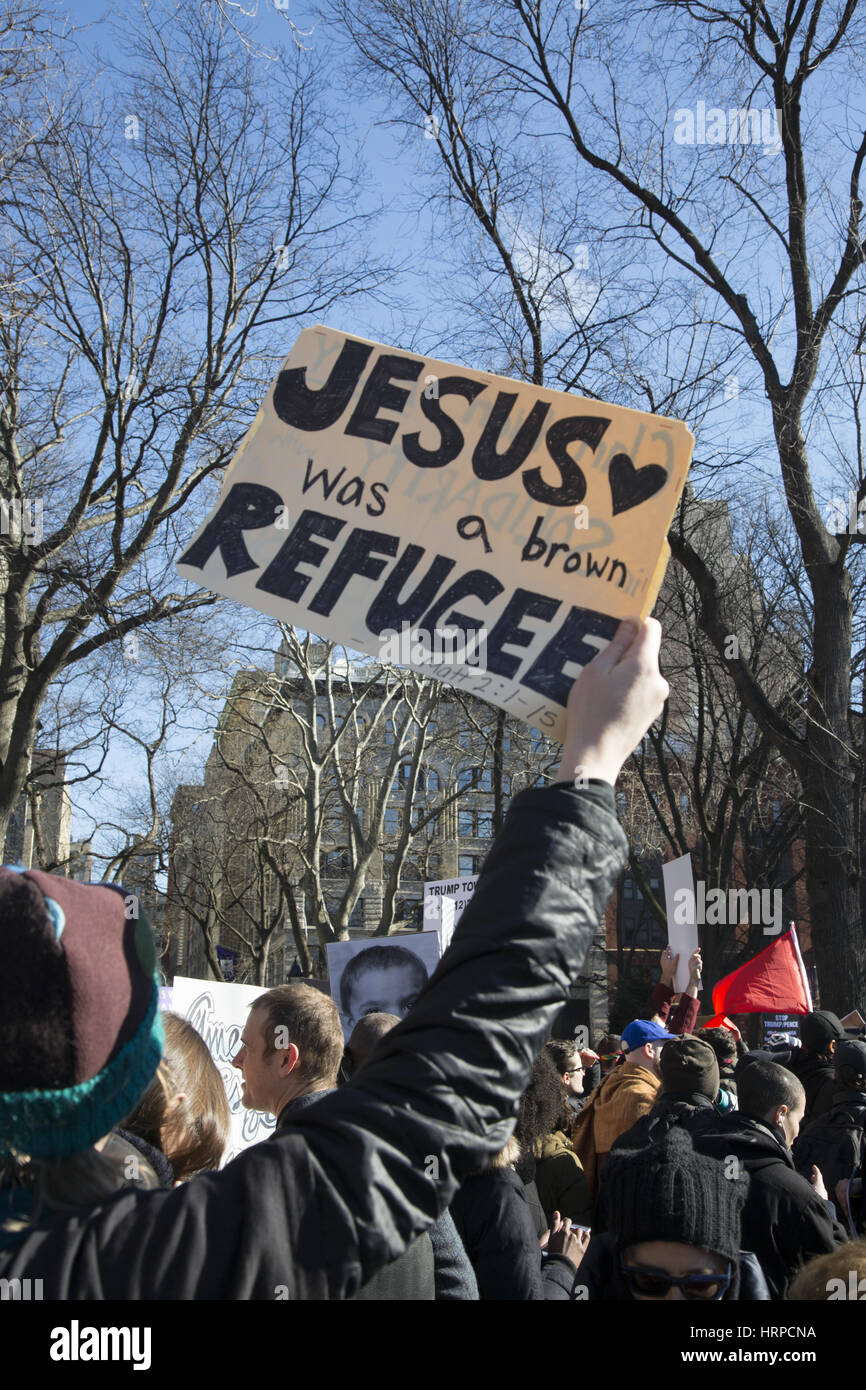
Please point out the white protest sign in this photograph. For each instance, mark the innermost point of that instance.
(484, 531)
(444, 901)
(219, 1011)
(680, 907)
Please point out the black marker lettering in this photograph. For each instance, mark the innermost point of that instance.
(356, 557)
(486, 462)
(246, 507)
(476, 582)
(281, 576)
(508, 630)
(297, 405)
(378, 394)
(586, 428)
(387, 613)
(452, 438)
(546, 676)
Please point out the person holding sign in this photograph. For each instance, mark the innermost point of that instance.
(346, 1187)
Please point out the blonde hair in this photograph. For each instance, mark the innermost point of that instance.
(812, 1284)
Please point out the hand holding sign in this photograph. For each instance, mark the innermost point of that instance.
(614, 701)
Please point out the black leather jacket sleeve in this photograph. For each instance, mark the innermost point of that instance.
(351, 1181)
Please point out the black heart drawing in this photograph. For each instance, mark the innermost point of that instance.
(629, 486)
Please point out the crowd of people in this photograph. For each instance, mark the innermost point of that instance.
(459, 1154)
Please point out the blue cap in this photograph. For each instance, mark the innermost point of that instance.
(643, 1031)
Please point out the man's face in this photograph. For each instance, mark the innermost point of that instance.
(647, 1264)
(388, 989)
(572, 1079)
(260, 1072)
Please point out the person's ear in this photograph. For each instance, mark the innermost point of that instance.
(289, 1059)
(174, 1104)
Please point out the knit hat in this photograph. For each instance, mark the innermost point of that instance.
(688, 1065)
(80, 1030)
(668, 1192)
(820, 1028)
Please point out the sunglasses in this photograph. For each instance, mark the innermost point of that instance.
(657, 1283)
(573, 1071)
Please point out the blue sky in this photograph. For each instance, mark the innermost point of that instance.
(421, 315)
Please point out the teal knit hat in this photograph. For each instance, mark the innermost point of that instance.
(80, 1028)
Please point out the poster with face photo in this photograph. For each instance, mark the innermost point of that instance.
(384, 975)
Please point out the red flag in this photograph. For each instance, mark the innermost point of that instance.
(772, 982)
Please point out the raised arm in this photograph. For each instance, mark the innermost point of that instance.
(315, 1211)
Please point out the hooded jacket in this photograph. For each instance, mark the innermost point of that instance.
(624, 1095)
(836, 1141)
(818, 1077)
(355, 1178)
(670, 1109)
(785, 1222)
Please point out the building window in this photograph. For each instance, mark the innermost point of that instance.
(336, 863)
(685, 803)
(472, 822)
(469, 864)
(478, 779)
(410, 911)
(392, 820)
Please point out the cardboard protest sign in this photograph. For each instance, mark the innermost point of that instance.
(444, 901)
(219, 1011)
(485, 531)
(853, 1020)
(380, 974)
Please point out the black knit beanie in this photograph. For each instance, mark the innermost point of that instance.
(668, 1192)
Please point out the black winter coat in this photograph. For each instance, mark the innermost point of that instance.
(355, 1178)
(835, 1141)
(668, 1111)
(819, 1081)
(785, 1222)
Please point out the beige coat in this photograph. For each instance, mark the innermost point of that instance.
(623, 1096)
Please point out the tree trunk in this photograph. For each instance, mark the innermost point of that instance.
(829, 784)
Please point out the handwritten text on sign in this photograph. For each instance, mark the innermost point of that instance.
(379, 492)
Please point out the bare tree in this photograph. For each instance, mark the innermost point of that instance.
(168, 232)
(753, 230)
